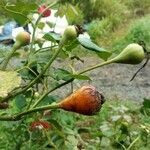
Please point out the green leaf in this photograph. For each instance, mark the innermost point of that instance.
(88, 44)
(7, 83)
(20, 11)
(20, 101)
(61, 74)
(53, 37)
(71, 45)
(80, 77)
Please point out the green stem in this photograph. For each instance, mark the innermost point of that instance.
(18, 13)
(54, 106)
(20, 115)
(44, 49)
(51, 90)
(37, 78)
(6, 60)
(64, 83)
(97, 66)
(44, 70)
(36, 25)
(49, 140)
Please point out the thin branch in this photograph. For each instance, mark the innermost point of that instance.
(139, 69)
(36, 25)
(11, 95)
(8, 57)
(51, 90)
(20, 115)
(15, 12)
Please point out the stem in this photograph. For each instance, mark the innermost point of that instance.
(44, 70)
(37, 78)
(49, 140)
(20, 115)
(97, 66)
(36, 24)
(6, 61)
(18, 13)
(51, 90)
(52, 106)
(64, 83)
(44, 49)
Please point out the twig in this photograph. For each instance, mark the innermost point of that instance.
(20, 115)
(5, 62)
(36, 25)
(51, 90)
(139, 69)
(36, 79)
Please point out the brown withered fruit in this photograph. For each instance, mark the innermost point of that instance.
(86, 100)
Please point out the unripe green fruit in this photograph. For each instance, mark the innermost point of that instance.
(70, 34)
(22, 39)
(132, 54)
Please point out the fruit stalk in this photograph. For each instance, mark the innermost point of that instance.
(8, 58)
(22, 39)
(133, 54)
(86, 101)
(20, 115)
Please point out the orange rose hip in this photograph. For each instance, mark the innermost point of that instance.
(86, 100)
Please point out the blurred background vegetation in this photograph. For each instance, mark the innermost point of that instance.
(111, 23)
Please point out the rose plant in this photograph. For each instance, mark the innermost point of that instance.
(40, 78)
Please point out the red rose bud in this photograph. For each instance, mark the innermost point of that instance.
(86, 100)
(40, 125)
(45, 12)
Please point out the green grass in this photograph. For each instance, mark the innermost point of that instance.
(138, 31)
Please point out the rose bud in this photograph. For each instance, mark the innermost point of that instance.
(45, 12)
(86, 100)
